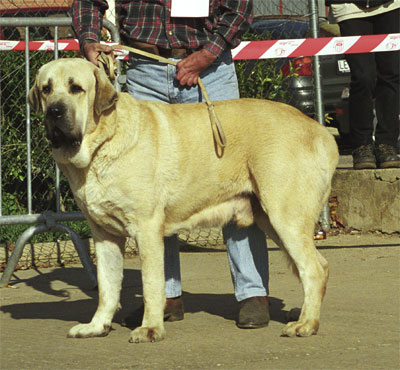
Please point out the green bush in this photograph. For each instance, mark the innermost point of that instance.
(262, 79)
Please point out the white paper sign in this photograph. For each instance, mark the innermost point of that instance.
(190, 8)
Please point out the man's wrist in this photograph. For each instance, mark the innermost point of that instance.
(208, 55)
(88, 41)
(85, 42)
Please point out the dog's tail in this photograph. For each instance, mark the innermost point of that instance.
(327, 159)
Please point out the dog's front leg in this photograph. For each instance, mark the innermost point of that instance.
(151, 250)
(109, 255)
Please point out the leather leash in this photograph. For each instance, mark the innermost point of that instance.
(106, 62)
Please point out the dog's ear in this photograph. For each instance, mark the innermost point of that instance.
(34, 97)
(106, 96)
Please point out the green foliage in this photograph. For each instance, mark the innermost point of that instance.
(263, 79)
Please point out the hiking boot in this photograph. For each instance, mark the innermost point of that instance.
(174, 311)
(386, 156)
(364, 157)
(253, 313)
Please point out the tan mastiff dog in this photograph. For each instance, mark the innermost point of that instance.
(144, 170)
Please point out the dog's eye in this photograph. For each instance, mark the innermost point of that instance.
(75, 89)
(46, 89)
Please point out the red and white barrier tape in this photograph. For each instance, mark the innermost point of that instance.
(69, 45)
(320, 46)
(258, 49)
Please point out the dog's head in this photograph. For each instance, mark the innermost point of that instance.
(72, 94)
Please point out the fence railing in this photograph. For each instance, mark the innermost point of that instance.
(27, 194)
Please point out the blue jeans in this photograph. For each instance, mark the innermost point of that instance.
(247, 248)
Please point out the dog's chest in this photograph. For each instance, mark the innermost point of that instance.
(103, 206)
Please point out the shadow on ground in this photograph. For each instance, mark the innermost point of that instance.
(70, 285)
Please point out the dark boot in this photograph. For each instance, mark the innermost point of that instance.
(364, 157)
(253, 313)
(386, 156)
(174, 311)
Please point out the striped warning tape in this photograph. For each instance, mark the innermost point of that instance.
(68, 45)
(320, 46)
(258, 49)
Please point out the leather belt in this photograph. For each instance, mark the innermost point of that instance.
(166, 53)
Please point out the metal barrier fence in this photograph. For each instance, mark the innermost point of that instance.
(32, 191)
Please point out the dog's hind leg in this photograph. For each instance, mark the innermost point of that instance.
(151, 250)
(293, 225)
(109, 255)
(314, 276)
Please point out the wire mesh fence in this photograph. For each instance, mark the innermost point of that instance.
(27, 171)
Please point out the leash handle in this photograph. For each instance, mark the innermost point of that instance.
(144, 53)
(218, 131)
(216, 126)
(106, 62)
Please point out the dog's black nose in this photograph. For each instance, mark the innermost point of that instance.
(56, 111)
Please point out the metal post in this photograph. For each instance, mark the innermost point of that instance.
(318, 98)
(319, 107)
(1, 125)
(58, 194)
(28, 124)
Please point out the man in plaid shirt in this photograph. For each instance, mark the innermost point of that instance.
(201, 46)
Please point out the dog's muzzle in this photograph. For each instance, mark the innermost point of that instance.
(58, 128)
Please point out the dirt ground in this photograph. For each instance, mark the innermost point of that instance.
(359, 325)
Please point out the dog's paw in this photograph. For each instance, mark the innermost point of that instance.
(301, 328)
(143, 334)
(89, 330)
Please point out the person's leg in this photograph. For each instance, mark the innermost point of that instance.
(172, 267)
(362, 94)
(387, 94)
(248, 259)
(362, 86)
(246, 247)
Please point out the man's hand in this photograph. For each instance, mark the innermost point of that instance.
(189, 69)
(92, 51)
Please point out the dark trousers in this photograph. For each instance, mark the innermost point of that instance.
(374, 76)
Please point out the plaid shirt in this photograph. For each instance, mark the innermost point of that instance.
(150, 21)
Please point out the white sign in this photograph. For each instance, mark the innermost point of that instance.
(190, 8)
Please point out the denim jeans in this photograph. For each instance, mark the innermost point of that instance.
(247, 248)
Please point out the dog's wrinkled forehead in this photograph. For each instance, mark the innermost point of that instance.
(63, 75)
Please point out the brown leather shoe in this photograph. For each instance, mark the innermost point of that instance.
(174, 311)
(253, 313)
